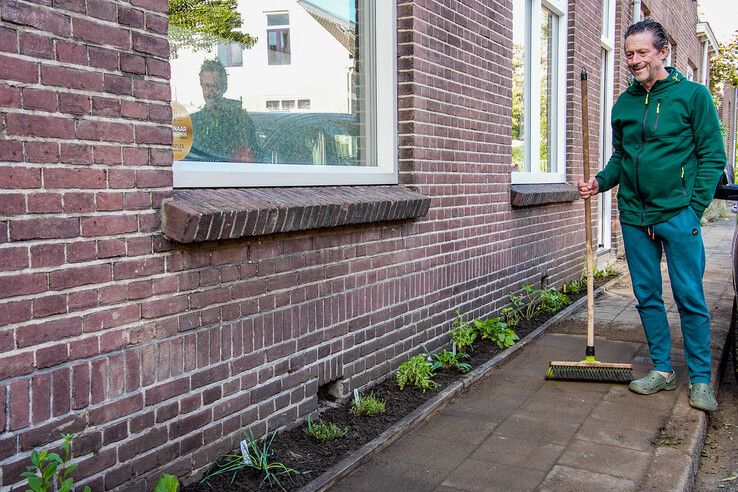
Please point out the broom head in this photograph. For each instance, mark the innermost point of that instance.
(590, 371)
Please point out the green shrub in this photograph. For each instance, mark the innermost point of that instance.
(510, 316)
(551, 300)
(497, 331)
(167, 483)
(323, 431)
(462, 332)
(368, 405)
(50, 472)
(416, 372)
(448, 359)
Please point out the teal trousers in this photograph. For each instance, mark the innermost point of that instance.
(680, 238)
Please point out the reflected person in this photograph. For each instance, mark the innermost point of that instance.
(222, 129)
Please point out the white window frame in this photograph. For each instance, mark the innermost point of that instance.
(607, 94)
(381, 165)
(532, 99)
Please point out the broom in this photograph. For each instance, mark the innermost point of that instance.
(589, 369)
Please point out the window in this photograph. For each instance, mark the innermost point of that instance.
(230, 54)
(327, 118)
(691, 69)
(539, 77)
(607, 87)
(278, 39)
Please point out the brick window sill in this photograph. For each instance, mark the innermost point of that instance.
(196, 215)
(530, 195)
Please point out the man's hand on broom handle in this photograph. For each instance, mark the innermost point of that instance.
(588, 188)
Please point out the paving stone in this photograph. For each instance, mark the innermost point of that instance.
(527, 428)
(614, 433)
(419, 451)
(605, 459)
(575, 480)
(475, 475)
(518, 453)
(457, 431)
(386, 475)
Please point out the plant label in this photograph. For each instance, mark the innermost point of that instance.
(245, 452)
(356, 396)
(453, 348)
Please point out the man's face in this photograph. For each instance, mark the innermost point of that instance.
(213, 87)
(645, 62)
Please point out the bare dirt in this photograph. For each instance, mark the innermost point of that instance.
(718, 468)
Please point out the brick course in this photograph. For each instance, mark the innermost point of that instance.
(159, 354)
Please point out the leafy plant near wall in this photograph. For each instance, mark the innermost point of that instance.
(257, 457)
(551, 300)
(462, 332)
(525, 302)
(49, 471)
(510, 316)
(497, 331)
(167, 483)
(447, 359)
(416, 372)
(368, 405)
(324, 431)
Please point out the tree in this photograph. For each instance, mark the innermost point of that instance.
(724, 69)
(201, 24)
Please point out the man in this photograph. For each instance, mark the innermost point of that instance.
(222, 130)
(667, 159)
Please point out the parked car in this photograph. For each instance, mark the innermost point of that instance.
(727, 189)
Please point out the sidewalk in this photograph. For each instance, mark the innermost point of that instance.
(515, 431)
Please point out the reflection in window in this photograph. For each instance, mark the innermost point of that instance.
(230, 54)
(518, 80)
(278, 40)
(547, 79)
(312, 111)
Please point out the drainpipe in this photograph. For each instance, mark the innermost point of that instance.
(636, 11)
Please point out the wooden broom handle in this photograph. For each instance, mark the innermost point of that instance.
(587, 214)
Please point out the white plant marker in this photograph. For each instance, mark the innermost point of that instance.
(245, 452)
(453, 348)
(356, 396)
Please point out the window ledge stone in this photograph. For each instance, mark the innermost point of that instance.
(196, 215)
(529, 195)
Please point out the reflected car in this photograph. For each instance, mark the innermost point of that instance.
(307, 138)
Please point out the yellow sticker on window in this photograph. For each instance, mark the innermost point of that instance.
(182, 128)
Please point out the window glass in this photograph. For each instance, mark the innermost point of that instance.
(547, 78)
(606, 18)
(311, 110)
(518, 89)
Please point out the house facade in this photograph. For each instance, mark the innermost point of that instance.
(158, 307)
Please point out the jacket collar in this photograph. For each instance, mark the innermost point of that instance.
(675, 76)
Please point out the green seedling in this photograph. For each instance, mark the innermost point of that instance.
(510, 316)
(448, 359)
(49, 471)
(416, 372)
(167, 483)
(462, 332)
(551, 300)
(323, 431)
(497, 331)
(525, 303)
(257, 457)
(368, 405)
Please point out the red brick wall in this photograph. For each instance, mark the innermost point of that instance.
(157, 354)
(727, 111)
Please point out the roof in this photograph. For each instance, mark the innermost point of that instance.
(343, 30)
(705, 31)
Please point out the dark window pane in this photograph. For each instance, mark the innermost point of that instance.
(278, 20)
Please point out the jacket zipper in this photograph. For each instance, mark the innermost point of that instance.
(638, 158)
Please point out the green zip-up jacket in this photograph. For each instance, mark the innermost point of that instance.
(668, 150)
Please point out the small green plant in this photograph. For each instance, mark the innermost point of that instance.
(417, 372)
(167, 483)
(323, 431)
(448, 359)
(525, 303)
(575, 286)
(462, 332)
(255, 456)
(510, 316)
(49, 471)
(497, 331)
(551, 300)
(368, 405)
(608, 271)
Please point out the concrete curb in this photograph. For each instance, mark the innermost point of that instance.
(348, 465)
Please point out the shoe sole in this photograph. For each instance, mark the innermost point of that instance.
(668, 387)
(703, 408)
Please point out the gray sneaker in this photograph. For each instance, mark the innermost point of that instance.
(702, 397)
(653, 382)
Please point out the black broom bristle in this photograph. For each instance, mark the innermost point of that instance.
(603, 374)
